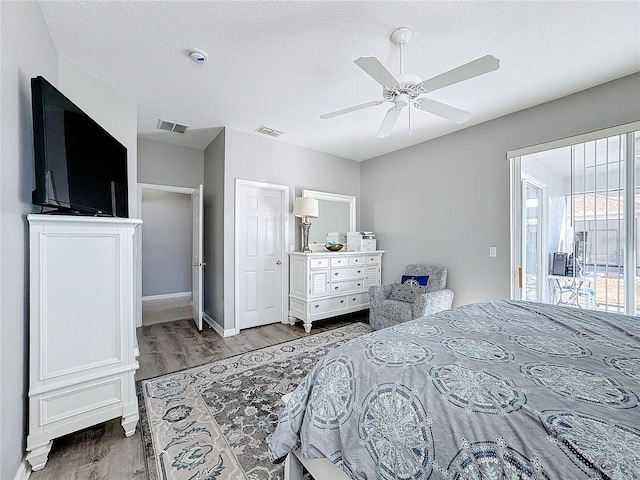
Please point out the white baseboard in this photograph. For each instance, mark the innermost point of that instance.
(217, 328)
(24, 470)
(167, 296)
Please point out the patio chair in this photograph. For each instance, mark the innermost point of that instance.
(393, 304)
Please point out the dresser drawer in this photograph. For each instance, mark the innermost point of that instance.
(359, 260)
(76, 400)
(340, 261)
(339, 288)
(369, 259)
(327, 305)
(319, 263)
(346, 273)
(358, 299)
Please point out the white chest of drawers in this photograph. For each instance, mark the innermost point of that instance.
(82, 327)
(327, 284)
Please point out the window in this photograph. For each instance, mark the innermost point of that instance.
(574, 221)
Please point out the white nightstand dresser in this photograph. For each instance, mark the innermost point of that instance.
(327, 284)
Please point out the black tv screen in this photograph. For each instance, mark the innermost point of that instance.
(79, 167)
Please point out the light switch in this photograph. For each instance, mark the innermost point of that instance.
(492, 251)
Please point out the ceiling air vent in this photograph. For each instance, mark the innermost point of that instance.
(171, 126)
(269, 131)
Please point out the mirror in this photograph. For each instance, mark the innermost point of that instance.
(336, 213)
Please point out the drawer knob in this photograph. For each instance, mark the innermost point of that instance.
(354, 299)
(336, 274)
(336, 288)
(316, 306)
(341, 301)
(359, 271)
(359, 284)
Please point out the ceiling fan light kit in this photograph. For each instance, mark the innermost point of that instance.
(406, 88)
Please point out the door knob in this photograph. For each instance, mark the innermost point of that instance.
(278, 262)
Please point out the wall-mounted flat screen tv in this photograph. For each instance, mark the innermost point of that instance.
(79, 167)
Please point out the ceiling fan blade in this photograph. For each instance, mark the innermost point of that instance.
(377, 71)
(443, 110)
(477, 67)
(389, 122)
(351, 109)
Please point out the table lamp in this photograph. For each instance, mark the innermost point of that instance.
(305, 208)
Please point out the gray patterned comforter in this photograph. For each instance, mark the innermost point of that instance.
(497, 390)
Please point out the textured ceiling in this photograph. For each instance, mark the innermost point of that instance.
(282, 64)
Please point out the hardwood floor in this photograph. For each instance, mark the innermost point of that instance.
(103, 452)
(173, 346)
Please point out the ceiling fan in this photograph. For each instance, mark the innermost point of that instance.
(406, 89)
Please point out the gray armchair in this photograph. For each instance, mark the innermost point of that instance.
(385, 312)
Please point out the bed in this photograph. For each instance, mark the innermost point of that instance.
(496, 390)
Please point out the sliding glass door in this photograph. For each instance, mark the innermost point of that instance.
(574, 222)
(532, 261)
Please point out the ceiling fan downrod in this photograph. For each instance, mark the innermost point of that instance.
(400, 37)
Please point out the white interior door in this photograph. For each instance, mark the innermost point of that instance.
(198, 264)
(260, 245)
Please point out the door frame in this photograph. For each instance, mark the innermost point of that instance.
(543, 257)
(285, 253)
(518, 179)
(197, 255)
(629, 130)
(515, 228)
(164, 188)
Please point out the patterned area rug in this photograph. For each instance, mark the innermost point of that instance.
(212, 422)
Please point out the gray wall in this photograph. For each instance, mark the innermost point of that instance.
(254, 157)
(167, 229)
(167, 234)
(162, 163)
(27, 51)
(115, 113)
(447, 200)
(214, 245)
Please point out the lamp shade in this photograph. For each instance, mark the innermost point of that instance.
(305, 207)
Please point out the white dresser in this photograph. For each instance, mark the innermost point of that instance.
(82, 327)
(327, 284)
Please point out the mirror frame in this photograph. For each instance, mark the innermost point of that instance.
(335, 197)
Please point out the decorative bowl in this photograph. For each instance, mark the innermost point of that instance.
(333, 247)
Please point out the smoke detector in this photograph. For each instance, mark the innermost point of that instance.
(197, 55)
(172, 126)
